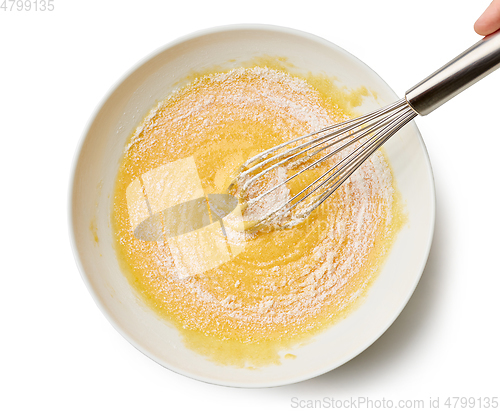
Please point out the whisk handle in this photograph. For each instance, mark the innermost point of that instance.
(454, 77)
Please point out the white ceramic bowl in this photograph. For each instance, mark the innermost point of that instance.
(96, 168)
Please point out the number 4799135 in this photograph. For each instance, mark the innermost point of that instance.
(27, 5)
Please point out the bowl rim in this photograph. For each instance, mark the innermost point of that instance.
(72, 188)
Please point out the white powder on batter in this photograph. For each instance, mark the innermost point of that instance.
(292, 105)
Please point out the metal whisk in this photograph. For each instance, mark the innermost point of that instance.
(359, 138)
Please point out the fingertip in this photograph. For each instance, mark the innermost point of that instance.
(489, 21)
(480, 28)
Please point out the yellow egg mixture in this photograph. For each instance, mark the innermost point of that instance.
(283, 286)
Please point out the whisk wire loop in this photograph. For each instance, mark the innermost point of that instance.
(374, 128)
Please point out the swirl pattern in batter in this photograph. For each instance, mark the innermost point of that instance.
(285, 285)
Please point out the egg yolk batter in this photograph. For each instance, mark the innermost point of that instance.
(271, 289)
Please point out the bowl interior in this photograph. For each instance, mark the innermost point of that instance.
(96, 168)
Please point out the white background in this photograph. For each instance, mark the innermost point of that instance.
(59, 353)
